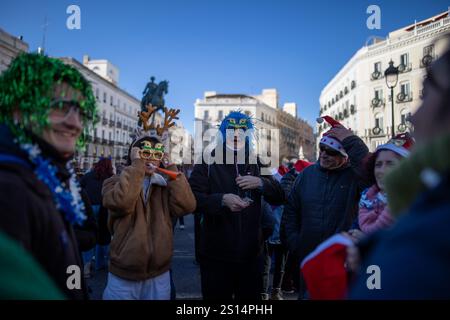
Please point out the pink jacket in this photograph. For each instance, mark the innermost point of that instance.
(373, 211)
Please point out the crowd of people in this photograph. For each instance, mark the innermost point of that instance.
(392, 205)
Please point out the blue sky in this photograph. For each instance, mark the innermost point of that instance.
(225, 46)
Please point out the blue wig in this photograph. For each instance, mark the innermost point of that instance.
(236, 120)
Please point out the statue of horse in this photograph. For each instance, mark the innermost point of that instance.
(157, 99)
(154, 95)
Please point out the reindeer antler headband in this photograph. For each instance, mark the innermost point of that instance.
(169, 116)
(156, 131)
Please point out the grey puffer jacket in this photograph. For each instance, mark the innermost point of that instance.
(324, 202)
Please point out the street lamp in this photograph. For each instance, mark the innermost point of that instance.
(391, 75)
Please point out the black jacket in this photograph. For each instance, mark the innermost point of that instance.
(225, 235)
(86, 234)
(29, 215)
(287, 182)
(93, 188)
(324, 202)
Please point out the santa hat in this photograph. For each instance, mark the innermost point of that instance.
(282, 170)
(332, 142)
(324, 271)
(279, 173)
(300, 165)
(401, 144)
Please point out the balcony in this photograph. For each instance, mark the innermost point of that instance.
(376, 132)
(125, 127)
(376, 75)
(402, 97)
(104, 121)
(111, 123)
(352, 109)
(104, 141)
(402, 68)
(426, 60)
(402, 127)
(111, 142)
(377, 102)
(119, 124)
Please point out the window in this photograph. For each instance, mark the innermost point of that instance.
(117, 135)
(110, 134)
(104, 97)
(405, 114)
(428, 50)
(111, 101)
(377, 67)
(262, 116)
(379, 94)
(97, 93)
(405, 89)
(103, 134)
(206, 115)
(379, 121)
(220, 117)
(404, 59)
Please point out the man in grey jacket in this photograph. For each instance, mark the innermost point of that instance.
(324, 198)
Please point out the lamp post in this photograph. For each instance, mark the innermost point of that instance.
(391, 75)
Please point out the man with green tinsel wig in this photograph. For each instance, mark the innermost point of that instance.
(46, 107)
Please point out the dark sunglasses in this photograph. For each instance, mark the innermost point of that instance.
(329, 151)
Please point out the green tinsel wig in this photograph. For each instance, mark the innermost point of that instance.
(26, 86)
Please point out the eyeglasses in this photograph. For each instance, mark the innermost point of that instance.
(63, 109)
(151, 154)
(329, 151)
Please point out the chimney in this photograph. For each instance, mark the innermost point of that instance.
(85, 59)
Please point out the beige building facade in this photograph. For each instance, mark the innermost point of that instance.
(358, 96)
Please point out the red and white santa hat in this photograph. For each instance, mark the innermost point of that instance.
(324, 269)
(279, 172)
(332, 142)
(300, 165)
(401, 144)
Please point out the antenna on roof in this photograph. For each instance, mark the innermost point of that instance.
(44, 26)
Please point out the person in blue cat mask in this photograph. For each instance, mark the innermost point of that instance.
(228, 198)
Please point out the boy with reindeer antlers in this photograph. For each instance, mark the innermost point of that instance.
(141, 204)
